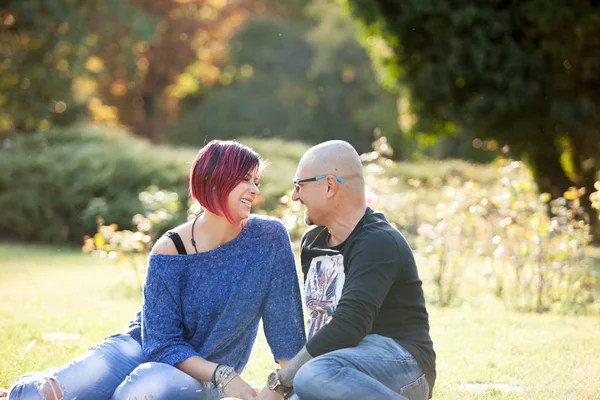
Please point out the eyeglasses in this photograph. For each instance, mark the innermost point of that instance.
(297, 182)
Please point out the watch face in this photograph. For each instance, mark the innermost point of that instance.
(272, 380)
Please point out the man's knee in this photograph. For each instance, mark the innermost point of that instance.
(313, 377)
(304, 385)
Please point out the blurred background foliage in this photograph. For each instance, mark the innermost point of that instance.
(99, 101)
(185, 71)
(525, 74)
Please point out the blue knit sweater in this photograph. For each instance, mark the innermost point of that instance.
(210, 303)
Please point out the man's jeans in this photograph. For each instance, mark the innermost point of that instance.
(377, 369)
(115, 368)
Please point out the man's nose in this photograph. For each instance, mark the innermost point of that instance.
(295, 194)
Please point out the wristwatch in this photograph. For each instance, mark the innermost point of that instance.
(274, 384)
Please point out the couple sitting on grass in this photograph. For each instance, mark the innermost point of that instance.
(212, 279)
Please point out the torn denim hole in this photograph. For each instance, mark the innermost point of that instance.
(55, 389)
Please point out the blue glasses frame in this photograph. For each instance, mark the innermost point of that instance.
(316, 178)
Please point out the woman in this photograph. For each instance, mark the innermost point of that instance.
(209, 282)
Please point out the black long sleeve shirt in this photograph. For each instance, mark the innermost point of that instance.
(381, 291)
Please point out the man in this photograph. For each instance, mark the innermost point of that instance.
(368, 333)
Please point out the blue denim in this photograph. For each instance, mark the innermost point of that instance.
(378, 368)
(117, 369)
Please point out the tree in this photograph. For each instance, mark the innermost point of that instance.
(304, 77)
(51, 54)
(185, 57)
(524, 73)
(125, 61)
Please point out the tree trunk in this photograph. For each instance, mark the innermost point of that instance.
(547, 170)
(585, 163)
(147, 126)
(586, 204)
(551, 178)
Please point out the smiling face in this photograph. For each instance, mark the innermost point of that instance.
(240, 199)
(329, 182)
(310, 194)
(224, 179)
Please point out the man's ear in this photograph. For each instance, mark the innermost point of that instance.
(332, 186)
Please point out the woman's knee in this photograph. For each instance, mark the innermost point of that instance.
(155, 381)
(34, 387)
(142, 376)
(93, 375)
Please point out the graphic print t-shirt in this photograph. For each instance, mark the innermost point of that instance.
(323, 289)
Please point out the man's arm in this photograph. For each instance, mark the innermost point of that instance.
(288, 370)
(372, 265)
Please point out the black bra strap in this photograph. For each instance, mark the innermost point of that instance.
(174, 236)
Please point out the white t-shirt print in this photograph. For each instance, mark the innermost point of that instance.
(323, 289)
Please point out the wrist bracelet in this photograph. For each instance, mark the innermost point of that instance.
(220, 375)
(214, 375)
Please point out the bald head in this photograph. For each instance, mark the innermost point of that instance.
(335, 157)
(329, 202)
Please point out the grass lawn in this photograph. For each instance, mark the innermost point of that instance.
(483, 351)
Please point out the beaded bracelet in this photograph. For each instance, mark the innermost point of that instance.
(212, 379)
(219, 375)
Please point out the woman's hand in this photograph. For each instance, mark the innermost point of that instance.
(236, 387)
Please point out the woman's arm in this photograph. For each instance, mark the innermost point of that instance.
(283, 321)
(162, 315)
(198, 368)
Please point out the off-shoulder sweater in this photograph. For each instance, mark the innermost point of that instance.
(209, 304)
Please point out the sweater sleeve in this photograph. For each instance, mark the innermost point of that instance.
(162, 320)
(372, 270)
(283, 322)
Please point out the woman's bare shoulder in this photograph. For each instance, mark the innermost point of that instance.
(164, 245)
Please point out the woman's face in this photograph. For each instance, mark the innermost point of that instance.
(243, 195)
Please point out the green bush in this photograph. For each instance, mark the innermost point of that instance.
(54, 184)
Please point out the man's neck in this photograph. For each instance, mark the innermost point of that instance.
(343, 223)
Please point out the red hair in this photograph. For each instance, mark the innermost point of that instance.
(217, 169)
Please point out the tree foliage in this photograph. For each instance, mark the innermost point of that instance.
(304, 77)
(48, 49)
(185, 70)
(125, 61)
(525, 73)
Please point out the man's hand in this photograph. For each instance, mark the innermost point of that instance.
(266, 394)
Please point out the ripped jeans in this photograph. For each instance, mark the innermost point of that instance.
(113, 369)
